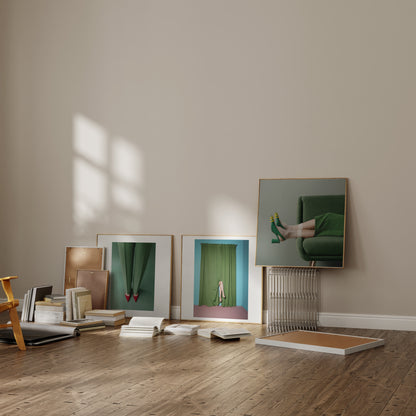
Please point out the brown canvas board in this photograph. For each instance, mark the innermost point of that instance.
(81, 258)
(96, 281)
(321, 341)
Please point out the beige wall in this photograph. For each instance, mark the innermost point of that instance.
(161, 116)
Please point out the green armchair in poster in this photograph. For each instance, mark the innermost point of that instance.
(326, 248)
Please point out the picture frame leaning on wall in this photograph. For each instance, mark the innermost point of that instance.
(219, 279)
(301, 222)
(140, 268)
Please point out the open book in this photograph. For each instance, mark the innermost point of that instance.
(142, 327)
(223, 333)
(181, 329)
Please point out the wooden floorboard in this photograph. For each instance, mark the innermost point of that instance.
(100, 373)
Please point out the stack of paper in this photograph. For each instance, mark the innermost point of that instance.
(142, 327)
(49, 312)
(111, 317)
(181, 329)
(84, 324)
(224, 333)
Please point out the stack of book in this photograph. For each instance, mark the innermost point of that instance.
(49, 312)
(223, 333)
(142, 327)
(54, 297)
(84, 324)
(181, 329)
(78, 301)
(33, 295)
(110, 317)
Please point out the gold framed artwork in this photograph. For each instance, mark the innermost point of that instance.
(81, 258)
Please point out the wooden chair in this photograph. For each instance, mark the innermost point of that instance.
(10, 306)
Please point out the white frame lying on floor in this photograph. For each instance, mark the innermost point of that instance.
(330, 343)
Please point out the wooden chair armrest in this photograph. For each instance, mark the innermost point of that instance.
(5, 281)
(8, 278)
(9, 305)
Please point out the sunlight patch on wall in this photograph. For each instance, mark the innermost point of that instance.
(127, 169)
(90, 192)
(108, 179)
(228, 216)
(127, 162)
(90, 145)
(90, 141)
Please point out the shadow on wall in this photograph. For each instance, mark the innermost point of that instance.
(108, 179)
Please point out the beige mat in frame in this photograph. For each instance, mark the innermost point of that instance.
(321, 341)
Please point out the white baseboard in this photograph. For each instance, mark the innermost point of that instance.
(349, 320)
(175, 311)
(346, 320)
(340, 320)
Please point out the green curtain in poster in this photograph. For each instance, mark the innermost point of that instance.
(125, 251)
(141, 258)
(218, 264)
(133, 260)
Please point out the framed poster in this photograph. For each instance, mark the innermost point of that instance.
(301, 222)
(140, 268)
(219, 279)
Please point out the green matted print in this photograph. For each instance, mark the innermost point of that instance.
(132, 276)
(140, 268)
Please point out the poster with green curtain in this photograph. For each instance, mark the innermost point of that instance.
(218, 275)
(219, 280)
(132, 279)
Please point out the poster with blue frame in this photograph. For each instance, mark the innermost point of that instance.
(219, 279)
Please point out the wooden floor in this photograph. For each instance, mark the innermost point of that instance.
(100, 373)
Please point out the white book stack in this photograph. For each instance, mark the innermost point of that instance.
(181, 329)
(78, 301)
(49, 312)
(110, 317)
(142, 327)
(32, 296)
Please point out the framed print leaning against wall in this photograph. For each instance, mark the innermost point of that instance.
(140, 268)
(301, 222)
(81, 258)
(219, 279)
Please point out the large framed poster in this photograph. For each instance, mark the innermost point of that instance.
(301, 222)
(219, 279)
(140, 268)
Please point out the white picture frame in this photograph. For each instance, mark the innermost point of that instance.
(163, 268)
(255, 279)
